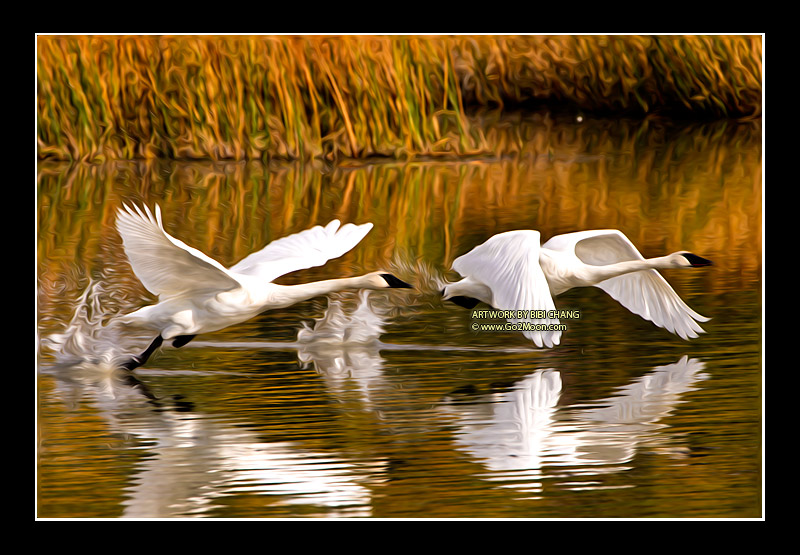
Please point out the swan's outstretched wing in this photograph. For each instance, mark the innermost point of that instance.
(166, 266)
(508, 264)
(645, 293)
(306, 249)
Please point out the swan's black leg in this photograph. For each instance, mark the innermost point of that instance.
(182, 340)
(137, 361)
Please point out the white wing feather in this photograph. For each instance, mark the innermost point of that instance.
(508, 264)
(166, 266)
(306, 249)
(645, 293)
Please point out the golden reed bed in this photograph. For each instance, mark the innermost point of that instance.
(312, 97)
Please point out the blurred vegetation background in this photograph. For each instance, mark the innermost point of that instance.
(325, 97)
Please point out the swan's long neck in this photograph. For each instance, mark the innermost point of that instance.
(601, 273)
(288, 295)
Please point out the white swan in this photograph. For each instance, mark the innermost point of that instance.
(511, 271)
(198, 295)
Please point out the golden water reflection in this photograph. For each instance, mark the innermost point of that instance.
(520, 435)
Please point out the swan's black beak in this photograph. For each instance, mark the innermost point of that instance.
(396, 283)
(696, 261)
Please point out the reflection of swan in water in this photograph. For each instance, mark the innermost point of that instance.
(519, 433)
(510, 429)
(344, 347)
(196, 460)
(199, 460)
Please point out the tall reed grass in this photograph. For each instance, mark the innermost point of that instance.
(323, 97)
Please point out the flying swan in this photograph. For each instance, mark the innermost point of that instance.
(199, 295)
(511, 271)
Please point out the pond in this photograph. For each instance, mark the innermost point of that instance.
(420, 417)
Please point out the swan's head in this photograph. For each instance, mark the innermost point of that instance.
(685, 259)
(385, 280)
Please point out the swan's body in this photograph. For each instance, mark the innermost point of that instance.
(512, 271)
(199, 295)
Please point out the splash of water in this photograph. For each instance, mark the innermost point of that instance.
(92, 335)
(340, 326)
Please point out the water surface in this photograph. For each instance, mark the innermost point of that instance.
(415, 415)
